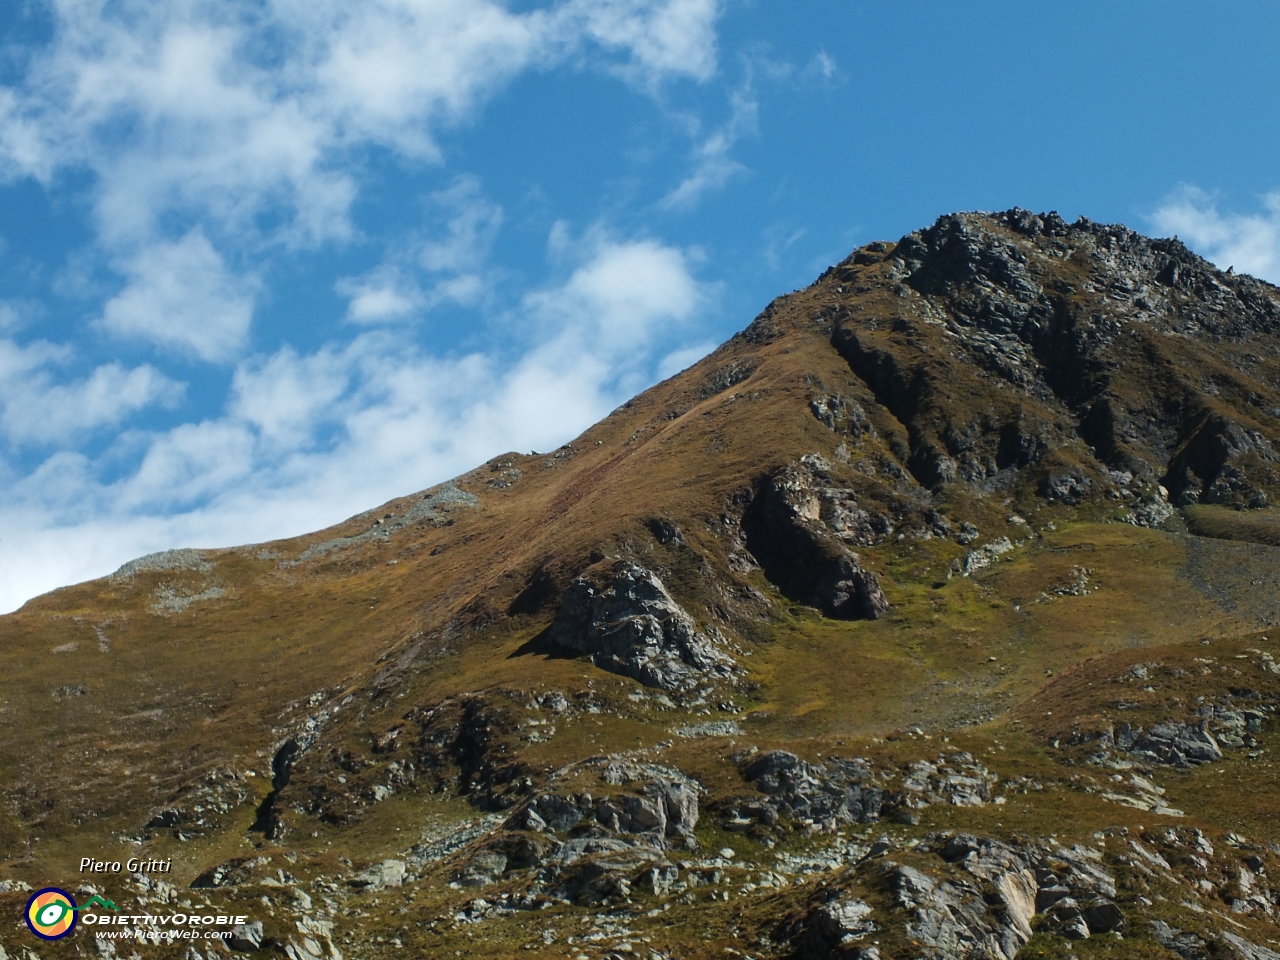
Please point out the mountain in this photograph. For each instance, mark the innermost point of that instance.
(927, 617)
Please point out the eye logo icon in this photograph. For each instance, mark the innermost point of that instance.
(51, 913)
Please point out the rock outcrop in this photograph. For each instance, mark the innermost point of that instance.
(656, 813)
(1061, 317)
(794, 529)
(972, 898)
(632, 626)
(841, 791)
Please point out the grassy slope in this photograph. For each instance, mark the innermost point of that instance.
(171, 698)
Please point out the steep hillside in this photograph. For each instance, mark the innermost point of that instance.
(927, 617)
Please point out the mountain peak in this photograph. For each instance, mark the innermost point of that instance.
(923, 610)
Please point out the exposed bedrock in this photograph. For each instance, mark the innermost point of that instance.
(984, 908)
(1087, 332)
(1213, 465)
(631, 625)
(798, 552)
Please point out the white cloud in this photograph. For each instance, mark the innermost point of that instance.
(35, 410)
(382, 294)
(684, 358)
(713, 166)
(245, 116)
(286, 397)
(472, 226)
(234, 108)
(623, 297)
(420, 273)
(307, 440)
(674, 37)
(1248, 242)
(822, 65)
(181, 295)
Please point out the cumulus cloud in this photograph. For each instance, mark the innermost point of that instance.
(379, 295)
(181, 295)
(1248, 242)
(237, 107)
(216, 134)
(307, 439)
(37, 411)
(244, 115)
(624, 296)
(666, 38)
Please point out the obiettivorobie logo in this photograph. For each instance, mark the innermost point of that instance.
(51, 913)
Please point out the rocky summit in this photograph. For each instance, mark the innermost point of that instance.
(934, 615)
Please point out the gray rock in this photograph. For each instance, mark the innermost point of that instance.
(841, 415)
(629, 814)
(713, 728)
(836, 926)
(165, 560)
(1186, 945)
(985, 908)
(388, 873)
(1065, 919)
(949, 917)
(658, 809)
(802, 554)
(1246, 950)
(985, 555)
(551, 812)
(679, 803)
(579, 848)
(633, 627)
(484, 868)
(607, 875)
(839, 791)
(1103, 916)
(659, 879)
(1179, 744)
(229, 874)
(246, 937)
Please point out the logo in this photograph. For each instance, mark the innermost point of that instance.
(51, 913)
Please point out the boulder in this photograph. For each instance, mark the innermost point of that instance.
(836, 926)
(230, 873)
(388, 873)
(1179, 744)
(246, 937)
(836, 792)
(485, 867)
(659, 878)
(632, 626)
(1186, 945)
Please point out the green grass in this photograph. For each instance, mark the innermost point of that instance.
(1223, 523)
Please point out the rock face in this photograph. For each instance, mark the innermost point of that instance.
(632, 626)
(246, 937)
(981, 910)
(822, 794)
(388, 873)
(794, 527)
(1179, 743)
(656, 813)
(1062, 317)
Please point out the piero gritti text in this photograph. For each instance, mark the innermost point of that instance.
(132, 865)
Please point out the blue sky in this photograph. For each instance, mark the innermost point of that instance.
(267, 263)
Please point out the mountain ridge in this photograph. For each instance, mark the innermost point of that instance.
(999, 448)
